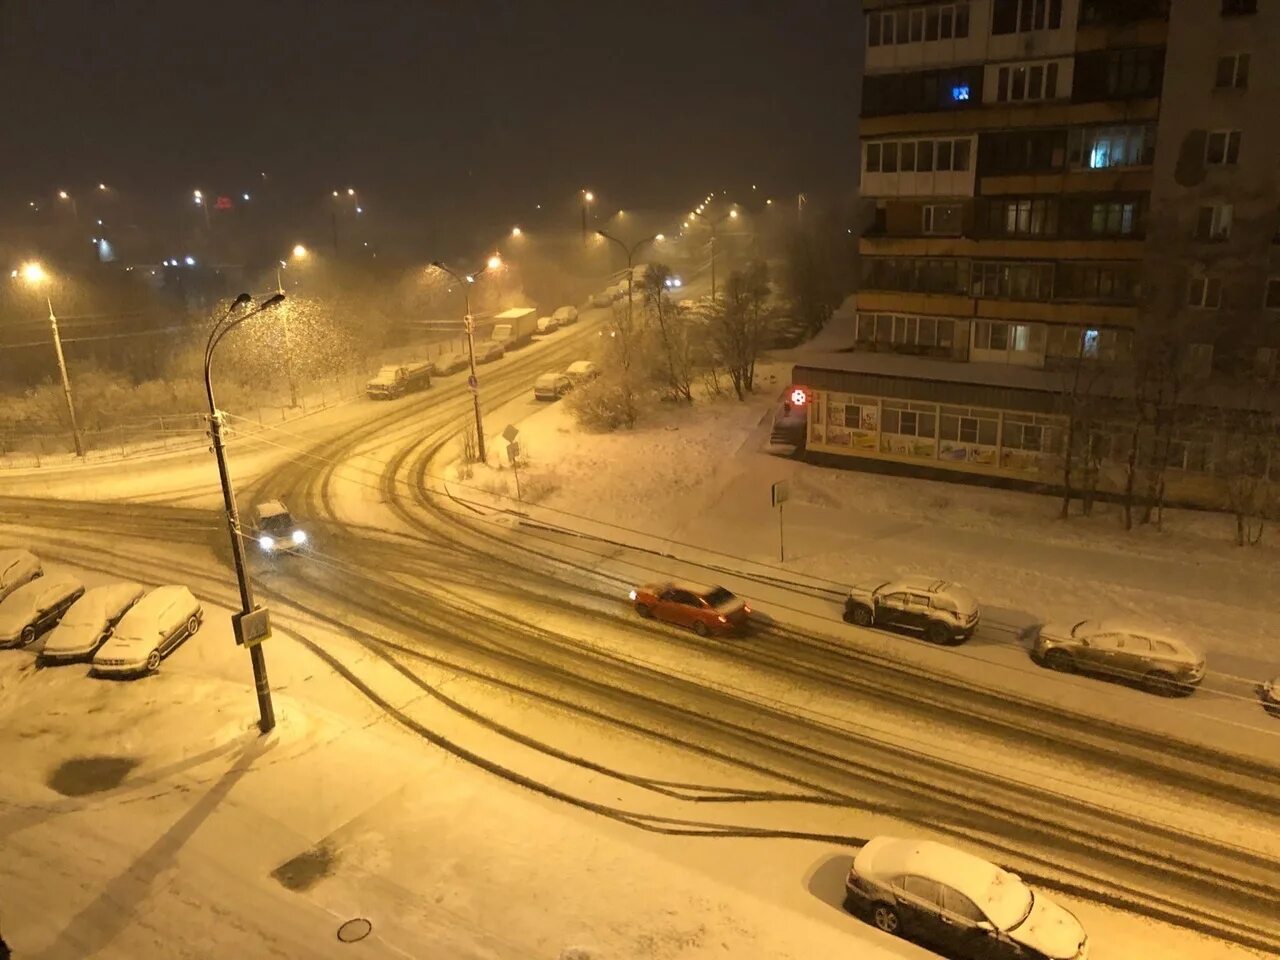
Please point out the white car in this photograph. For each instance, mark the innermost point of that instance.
(276, 530)
(149, 631)
(580, 371)
(450, 363)
(602, 299)
(943, 612)
(959, 903)
(35, 607)
(548, 324)
(551, 386)
(566, 316)
(89, 622)
(489, 350)
(16, 568)
(1123, 651)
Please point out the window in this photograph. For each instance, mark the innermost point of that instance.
(1113, 218)
(1022, 16)
(1089, 343)
(918, 156)
(1099, 282)
(899, 418)
(960, 92)
(1007, 337)
(1022, 433)
(906, 331)
(1232, 72)
(1205, 292)
(942, 219)
(1236, 8)
(873, 157)
(1024, 82)
(1272, 301)
(1011, 280)
(1214, 222)
(1130, 72)
(962, 425)
(1023, 217)
(1098, 148)
(912, 274)
(1222, 147)
(944, 22)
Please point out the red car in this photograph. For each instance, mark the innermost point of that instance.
(703, 609)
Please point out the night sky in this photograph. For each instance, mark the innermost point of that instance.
(453, 111)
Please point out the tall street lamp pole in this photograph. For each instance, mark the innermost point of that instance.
(67, 198)
(713, 224)
(465, 281)
(629, 253)
(34, 274)
(587, 198)
(251, 623)
(299, 253)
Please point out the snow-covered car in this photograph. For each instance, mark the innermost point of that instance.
(602, 299)
(35, 607)
(580, 371)
(703, 609)
(1269, 694)
(276, 530)
(959, 903)
(16, 568)
(942, 612)
(1124, 651)
(151, 629)
(566, 316)
(489, 350)
(89, 622)
(548, 325)
(449, 363)
(551, 386)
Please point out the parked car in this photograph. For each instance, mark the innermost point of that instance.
(551, 386)
(489, 350)
(548, 325)
(602, 299)
(151, 629)
(1158, 661)
(943, 612)
(396, 379)
(35, 607)
(704, 609)
(580, 371)
(1269, 694)
(959, 903)
(87, 625)
(276, 530)
(16, 568)
(450, 363)
(566, 316)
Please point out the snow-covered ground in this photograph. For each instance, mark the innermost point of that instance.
(148, 819)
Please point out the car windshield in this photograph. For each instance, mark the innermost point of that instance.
(277, 523)
(718, 596)
(1009, 901)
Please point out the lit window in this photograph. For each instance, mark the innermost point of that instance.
(960, 92)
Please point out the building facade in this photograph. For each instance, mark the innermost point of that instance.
(1059, 186)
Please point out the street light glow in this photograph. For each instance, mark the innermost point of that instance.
(686, 224)
(335, 193)
(63, 195)
(33, 272)
(659, 237)
(494, 262)
(102, 186)
(516, 231)
(588, 196)
(351, 191)
(245, 196)
(733, 214)
(768, 203)
(299, 251)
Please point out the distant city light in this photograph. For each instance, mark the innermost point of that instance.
(189, 261)
(494, 262)
(588, 196)
(516, 231)
(733, 214)
(244, 196)
(63, 195)
(359, 209)
(351, 191)
(102, 186)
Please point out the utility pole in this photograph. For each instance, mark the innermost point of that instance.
(465, 281)
(288, 347)
(713, 224)
(66, 380)
(629, 253)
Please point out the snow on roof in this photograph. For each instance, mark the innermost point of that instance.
(515, 313)
(272, 508)
(931, 368)
(885, 858)
(580, 366)
(692, 586)
(1139, 629)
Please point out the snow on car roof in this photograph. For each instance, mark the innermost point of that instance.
(579, 366)
(923, 584)
(885, 858)
(548, 378)
(701, 589)
(159, 601)
(1138, 629)
(272, 508)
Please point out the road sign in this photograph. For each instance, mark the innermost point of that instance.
(781, 493)
(510, 433)
(513, 452)
(472, 382)
(251, 628)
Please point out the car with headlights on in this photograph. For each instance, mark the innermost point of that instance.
(276, 530)
(1131, 652)
(16, 568)
(449, 363)
(35, 607)
(703, 609)
(941, 611)
(958, 903)
(150, 630)
(89, 622)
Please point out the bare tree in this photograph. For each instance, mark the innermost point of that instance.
(1086, 406)
(671, 327)
(740, 325)
(813, 281)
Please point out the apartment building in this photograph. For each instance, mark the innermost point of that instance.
(1039, 169)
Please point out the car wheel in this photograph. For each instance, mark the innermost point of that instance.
(643, 610)
(28, 636)
(39, 573)
(1164, 684)
(193, 624)
(859, 615)
(153, 661)
(885, 918)
(700, 628)
(1060, 660)
(936, 632)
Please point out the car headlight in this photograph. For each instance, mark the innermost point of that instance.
(299, 536)
(267, 543)
(632, 594)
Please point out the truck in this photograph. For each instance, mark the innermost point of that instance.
(397, 379)
(515, 327)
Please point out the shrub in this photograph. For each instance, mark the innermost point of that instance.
(606, 403)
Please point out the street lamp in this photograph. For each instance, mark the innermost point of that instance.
(713, 224)
(587, 199)
(629, 253)
(34, 275)
(299, 253)
(465, 280)
(197, 197)
(250, 624)
(67, 198)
